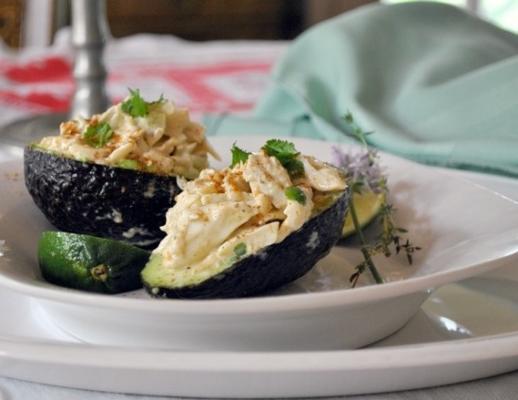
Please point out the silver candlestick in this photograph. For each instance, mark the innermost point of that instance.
(89, 33)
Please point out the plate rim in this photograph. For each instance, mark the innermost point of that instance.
(441, 351)
(269, 304)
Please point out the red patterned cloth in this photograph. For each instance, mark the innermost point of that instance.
(224, 76)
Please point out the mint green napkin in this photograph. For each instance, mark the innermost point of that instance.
(434, 83)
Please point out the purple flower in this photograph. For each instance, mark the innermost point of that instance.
(361, 167)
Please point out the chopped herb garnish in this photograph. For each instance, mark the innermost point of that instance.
(295, 193)
(281, 149)
(128, 164)
(294, 167)
(238, 155)
(287, 154)
(240, 249)
(136, 106)
(97, 135)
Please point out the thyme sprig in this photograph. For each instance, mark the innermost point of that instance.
(365, 174)
(365, 248)
(391, 236)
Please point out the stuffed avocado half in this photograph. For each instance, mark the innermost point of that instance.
(115, 174)
(250, 228)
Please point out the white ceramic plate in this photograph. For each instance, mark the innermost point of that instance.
(462, 332)
(464, 230)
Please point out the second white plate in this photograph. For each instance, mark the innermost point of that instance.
(463, 332)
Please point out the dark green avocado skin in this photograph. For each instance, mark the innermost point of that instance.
(99, 200)
(274, 266)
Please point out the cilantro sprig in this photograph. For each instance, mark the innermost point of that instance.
(281, 149)
(97, 135)
(295, 193)
(287, 154)
(136, 106)
(238, 155)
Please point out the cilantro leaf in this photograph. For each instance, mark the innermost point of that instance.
(281, 149)
(294, 167)
(238, 155)
(286, 153)
(240, 249)
(97, 135)
(295, 193)
(135, 106)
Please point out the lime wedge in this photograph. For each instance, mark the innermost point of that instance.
(90, 263)
(367, 206)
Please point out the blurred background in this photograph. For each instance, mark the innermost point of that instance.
(30, 23)
(222, 67)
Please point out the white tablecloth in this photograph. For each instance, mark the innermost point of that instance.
(219, 76)
(504, 387)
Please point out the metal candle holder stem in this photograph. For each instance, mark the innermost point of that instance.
(89, 33)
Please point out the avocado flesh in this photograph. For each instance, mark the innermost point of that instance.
(158, 273)
(100, 200)
(264, 270)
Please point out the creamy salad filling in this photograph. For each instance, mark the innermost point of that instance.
(226, 215)
(157, 137)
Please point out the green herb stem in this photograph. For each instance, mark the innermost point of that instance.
(368, 259)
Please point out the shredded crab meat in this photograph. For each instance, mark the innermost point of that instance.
(320, 176)
(296, 214)
(164, 142)
(244, 200)
(267, 176)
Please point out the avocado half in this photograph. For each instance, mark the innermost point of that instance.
(269, 269)
(100, 200)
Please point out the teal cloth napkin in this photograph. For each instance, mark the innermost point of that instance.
(435, 84)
